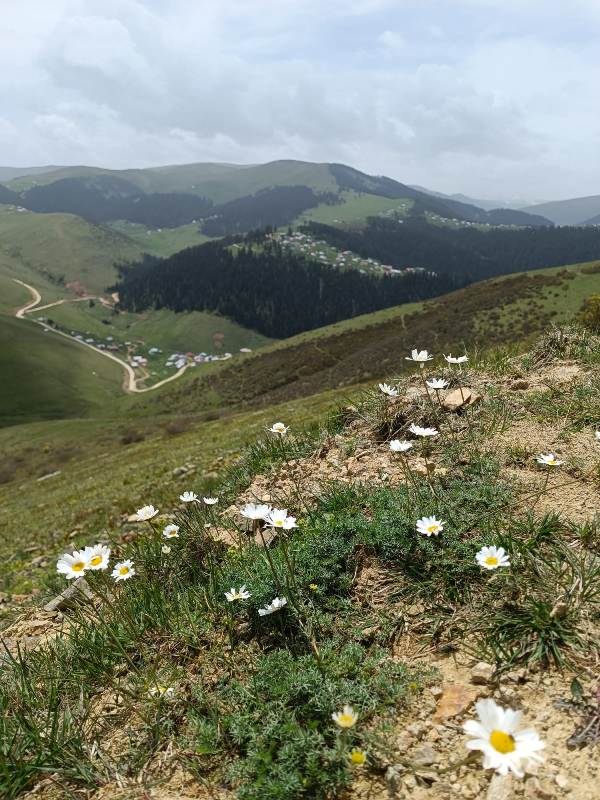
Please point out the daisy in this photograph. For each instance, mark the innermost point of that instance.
(255, 511)
(123, 570)
(420, 356)
(458, 360)
(210, 501)
(492, 557)
(145, 513)
(430, 526)
(279, 428)
(357, 757)
(165, 549)
(171, 531)
(418, 431)
(96, 556)
(72, 565)
(549, 460)
(496, 733)
(161, 691)
(437, 383)
(396, 446)
(346, 718)
(278, 518)
(389, 390)
(237, 594)
(188, 497)
(275, 605)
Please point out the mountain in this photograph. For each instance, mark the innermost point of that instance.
(11, 173)
(164, 196)
(576, 211)
(487, 205)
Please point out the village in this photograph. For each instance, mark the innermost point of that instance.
(322, 252)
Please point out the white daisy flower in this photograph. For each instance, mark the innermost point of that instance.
(171, 531)
(278, 518)
(165, 549)
(255, 511)
(418, 431)
(279, 428)
(188, 497)
(72, 565)
(496, 733)
(237, 594)
(598, 436)
(145, 513)
(210, 501)
(456, 360)
(275, 605)
(430, 526)
(419, 356)
(397, 446)
(123, 570)
(389, 390)
(437, 383)
(549, 460)
(346, 718)
(492, 557)
(161, 691)
(97, 556)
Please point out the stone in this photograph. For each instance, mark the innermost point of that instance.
(424, 756)
(534, 789)
(482, 673)
(74, 593)
(460, 398)
(562, 781)
(519, 384)
(456, 698)
(500, 788)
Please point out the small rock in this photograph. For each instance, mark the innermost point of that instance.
(562, 781)
(436, 691)
(73, 594)
(392, 782)
(460, 398)
(500, 788)
(519, 384)
(424, 756)
(534, 789)
(456, 698)
(482, 673)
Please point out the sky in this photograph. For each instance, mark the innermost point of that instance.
(494, 98)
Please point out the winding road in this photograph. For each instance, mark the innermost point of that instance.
(129, 379)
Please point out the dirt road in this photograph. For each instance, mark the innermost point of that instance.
(129, 379)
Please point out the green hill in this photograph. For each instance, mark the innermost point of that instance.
(45, 376)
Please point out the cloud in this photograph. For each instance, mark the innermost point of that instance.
(478, 96)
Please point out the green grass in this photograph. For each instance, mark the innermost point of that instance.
(355, 208)
(164, 242)
(46, 377)
(64, 246)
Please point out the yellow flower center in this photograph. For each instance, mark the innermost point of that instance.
(123, 570)
(96, 560)
(78, 566)
(346, 720)
(491, 560)
(432, 528)
(358, 757)
(279, 523)
(502, 742)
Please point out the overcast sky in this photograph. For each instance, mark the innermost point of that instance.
(494, 98)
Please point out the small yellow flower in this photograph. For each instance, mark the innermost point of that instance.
(313, 587)
(358, 757)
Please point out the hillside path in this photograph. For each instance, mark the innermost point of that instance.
(129, 379)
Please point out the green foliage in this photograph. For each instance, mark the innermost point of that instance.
(589, 316)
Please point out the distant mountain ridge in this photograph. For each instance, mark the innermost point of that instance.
(575, 211)
(175, 195)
